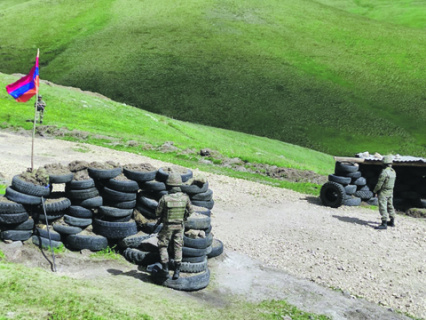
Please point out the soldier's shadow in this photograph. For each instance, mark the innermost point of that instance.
(371, 224)
(140, 274)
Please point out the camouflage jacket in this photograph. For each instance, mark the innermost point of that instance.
(386, 182)
(174, 208)
(40, 105)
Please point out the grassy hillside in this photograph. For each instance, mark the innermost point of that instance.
(337, 76)
(115, 125)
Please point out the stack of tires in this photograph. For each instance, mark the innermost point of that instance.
(199, 192)
(114, 218)
(15, 222)
(19, 213)
(346, 187)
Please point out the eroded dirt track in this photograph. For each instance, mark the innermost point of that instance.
(282, 244)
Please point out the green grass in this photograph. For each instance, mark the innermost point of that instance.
(337, 76)
(107, 253)
(2, 189)
(114, 125)
(32, 293)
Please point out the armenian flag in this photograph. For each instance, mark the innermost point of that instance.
(26, 87)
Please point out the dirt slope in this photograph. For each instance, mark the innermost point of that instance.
(282, 244)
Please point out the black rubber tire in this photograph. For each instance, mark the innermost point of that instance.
(342, 168)
(191, 267)
(153, 185)
(16, 235)
(45, 243)
(200, 223)
(114, 212)
(13, 218)
(339, 179)
(194, 188)
(57, 205)
(194, 252)
(80, 212)
(355, 201)
(29, 188)
(363, 188)
(43, 233)
(90, 203)
(364, 195)
(198, 243)
(217, 248)
(66, 230)
(147, 202)
(202, 210)
(162, 175)
(100, 174)
(9, 206)
(22, 198)
(194, 259)
(26, 225)
(111, 195)
(194, 282)
(63, 178)
(133, 241)
(206, 204)
(114, 230)
(90, 242)
(82, 194)
(204, 196)
(123, 185)
(121, 205)
(142, 258)
(361, 181)
(350, 189)
(80, 184)
(139, 176)
(354, 175)
(146, 212)
(41, 218)
(77, 222)
(332, 194)
(120, 219)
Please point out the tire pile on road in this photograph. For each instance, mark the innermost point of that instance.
(346, 187)
(113, 206)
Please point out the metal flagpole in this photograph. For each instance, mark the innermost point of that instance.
(34, 125)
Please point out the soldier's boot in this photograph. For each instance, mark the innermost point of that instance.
(177, 271)
(391, 222)
(165, 269)
(383, 226)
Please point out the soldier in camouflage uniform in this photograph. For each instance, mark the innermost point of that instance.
(173, 210)
(384, 189)
(40, 105)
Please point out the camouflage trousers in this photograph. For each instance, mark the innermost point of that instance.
(171, 232)
(386, 206)
(40, 114)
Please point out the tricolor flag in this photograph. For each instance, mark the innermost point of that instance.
(26, 87)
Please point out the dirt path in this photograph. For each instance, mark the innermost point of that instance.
(282, 244)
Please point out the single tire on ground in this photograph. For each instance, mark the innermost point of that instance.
(191, 282)
(217, 248)
(332, 194)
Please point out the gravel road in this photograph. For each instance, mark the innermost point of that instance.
(288, 233)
